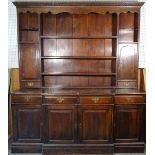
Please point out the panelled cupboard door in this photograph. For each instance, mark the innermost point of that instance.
(26, 120)
(29, 63)
(60, 124)
(96, 124)
(129, 123)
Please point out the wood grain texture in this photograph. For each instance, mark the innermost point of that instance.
(79, 54)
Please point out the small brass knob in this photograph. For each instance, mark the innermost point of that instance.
(95, 99)
(27, 98)
(129, 99)
(127, 84)
(30, 84)
(60, 99)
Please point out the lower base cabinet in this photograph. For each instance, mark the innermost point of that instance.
(129, 123)
(27, 119)
(60, 124)
(95, 124)
(69, 127)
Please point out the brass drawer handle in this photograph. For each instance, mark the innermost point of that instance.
(60, 99)
(30, 84)
(27, 98)
(127, 84)
(95, 99)
(129, 99)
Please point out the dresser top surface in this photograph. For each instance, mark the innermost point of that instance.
(105, 91)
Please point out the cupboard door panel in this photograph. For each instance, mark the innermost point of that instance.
(129, 123)
(60, 124)
(96, 124)
(29, 62)
(127, 64)
(27, 123)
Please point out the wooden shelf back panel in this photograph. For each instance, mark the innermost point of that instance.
(28, 36)
(77, 81)
(28, 20)
(128, 25)
(75, 66)
(128, 20)
(79, 25)
(79, 47)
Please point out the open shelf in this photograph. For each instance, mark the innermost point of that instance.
(80, 37)
(80, 57)
(29, 29)
(28, 42)
(77, 74)
(127, 42)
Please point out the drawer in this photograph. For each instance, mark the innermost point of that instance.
(130, 99)
(30, 84)
(96, 100)
(61, 100)
(26, 99)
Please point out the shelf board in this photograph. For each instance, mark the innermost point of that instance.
(27, 42)
(128, 29)
(89, 87)
(127, 42)
(80, 57)
(29, 29)
(77, 74)
(67, 37)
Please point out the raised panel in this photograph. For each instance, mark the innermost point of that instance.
(60, 124)
(128, 123)
(127, 62)
(27, 121)
(29, 62)
(96, 124)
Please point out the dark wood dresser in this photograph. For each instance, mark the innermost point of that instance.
(78, 75)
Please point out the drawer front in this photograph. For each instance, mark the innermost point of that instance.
(96, 100)
(26, 99)
(60, 100)
(30, 84)
(125, 99)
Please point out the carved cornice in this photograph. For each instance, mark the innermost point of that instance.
(78, 7)
(77, 3)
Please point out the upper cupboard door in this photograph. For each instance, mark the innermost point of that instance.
(29, 62)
